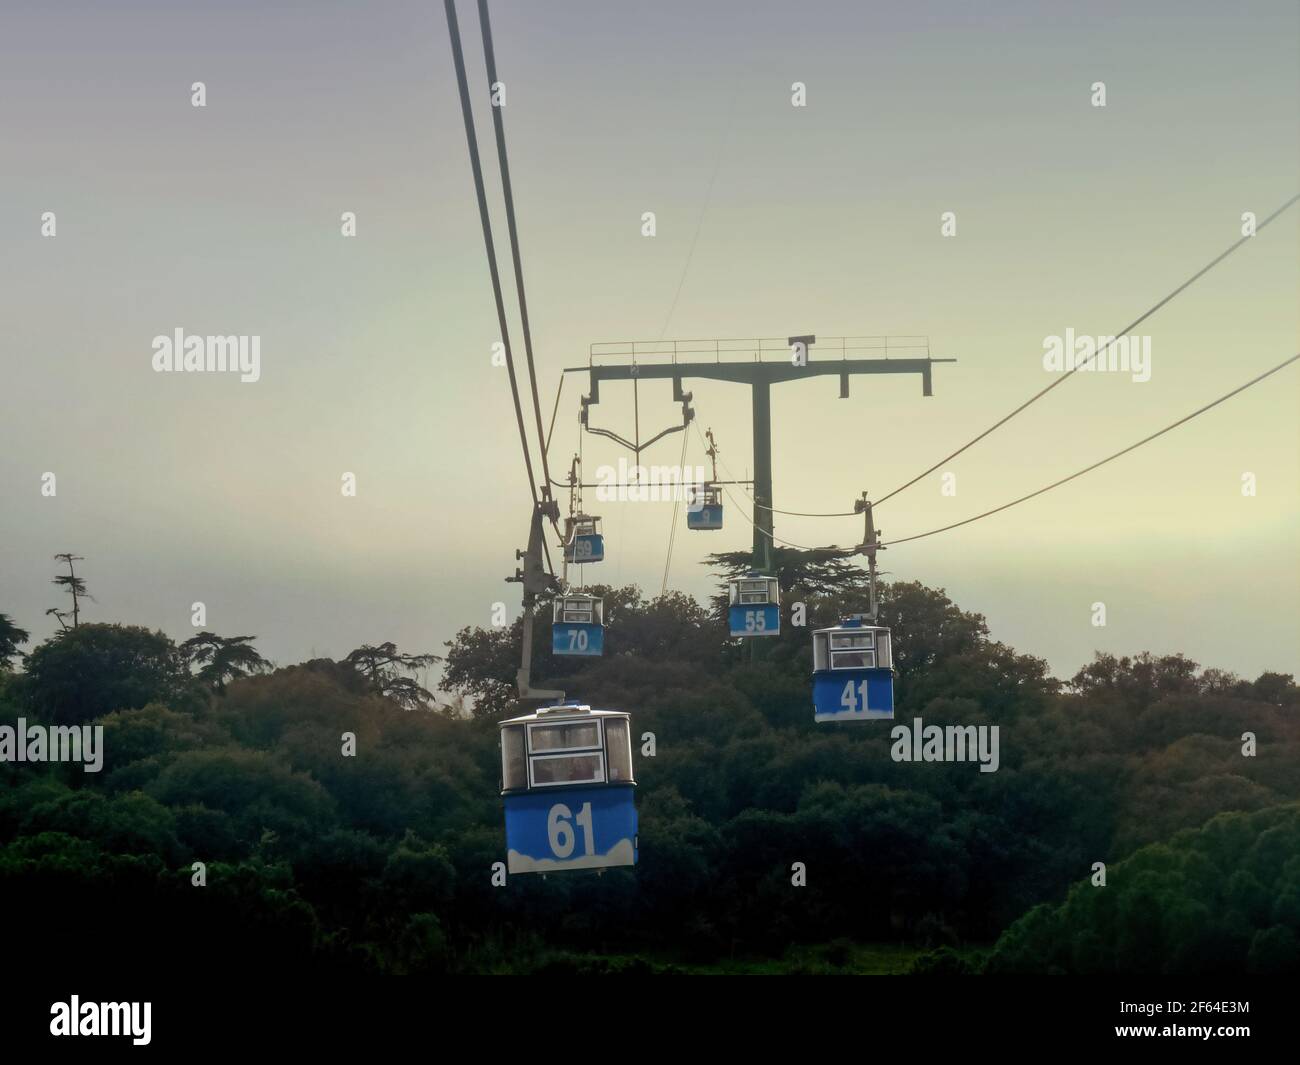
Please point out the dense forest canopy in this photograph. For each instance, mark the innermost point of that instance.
(381, 860)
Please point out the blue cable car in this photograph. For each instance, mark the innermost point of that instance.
(566, 779)
(705, 509)
(853, 673)
(583, 541)
(755, 608)
(578, 625)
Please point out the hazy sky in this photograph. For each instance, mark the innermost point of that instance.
(825, 219)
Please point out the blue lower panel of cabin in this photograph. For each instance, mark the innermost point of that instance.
(570, 828)
(705, 517)
(853, 695)
(586, 549)
(572, 638)
(755, 620)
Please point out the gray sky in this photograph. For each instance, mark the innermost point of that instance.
(375, 350)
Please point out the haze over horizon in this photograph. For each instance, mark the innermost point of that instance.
(772, 221)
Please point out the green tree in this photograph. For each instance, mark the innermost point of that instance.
(1138, 681)
(85, 672)
(1209, 900)
(481, 665)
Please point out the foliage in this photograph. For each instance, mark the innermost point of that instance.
(380, 862)
(383, 669)
(85, 672)
(1223, 898)
(11, 638)
(222, 658)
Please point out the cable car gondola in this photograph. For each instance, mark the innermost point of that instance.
(853, 674)
(583, 541)
(578, 625)
(755, 606)
(705, 509)
(567, 784)
(853, 662)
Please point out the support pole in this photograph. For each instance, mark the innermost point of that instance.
(762, 401)
(760, 376)
(536, 582)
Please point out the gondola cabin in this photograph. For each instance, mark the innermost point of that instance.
(705, 510)
(755, 608)
(566, 780)
(853, 674)
(578, 625)
(583, 541)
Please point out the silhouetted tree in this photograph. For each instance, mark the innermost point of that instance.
(11, 637)
(383, 667)
(222, 659)
(822, 571)
(75, 586)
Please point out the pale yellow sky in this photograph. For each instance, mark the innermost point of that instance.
(824, 220)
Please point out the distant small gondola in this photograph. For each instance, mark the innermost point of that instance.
(705, 508)
(583, 541)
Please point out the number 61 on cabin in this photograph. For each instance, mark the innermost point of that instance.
(567, 785)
